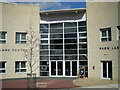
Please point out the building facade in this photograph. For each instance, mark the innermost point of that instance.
(15, 21)
(63, 47)
(70, 40)
(103, 40)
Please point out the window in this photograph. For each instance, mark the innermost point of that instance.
(21, 38)
(3, 37)
(2, 67)
(119, 35)
(119, 32)
(20, 66)
(106, 34)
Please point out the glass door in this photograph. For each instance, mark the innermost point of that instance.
(107, 70)
(70, 68)
(56, 68)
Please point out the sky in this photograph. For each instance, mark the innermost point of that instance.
(46, 5)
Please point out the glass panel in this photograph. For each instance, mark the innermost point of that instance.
(23, 70)
(82, 29)
(2, 71)
(82, 23)
(70, 51)
(82, 62)
(56, 57)
(17, 65)
(56, 25)
(71, 46)
(70, 24)
(23, 64)
(17, 36)
(23, 42)
(67, 30)
(44, 66)
(44, 57)
(83, 40)
(44, 74)
(53, 68)
(82, 34)
(44, 52)
(44, 30)
(44, 36)
(83, 46)
(74, 68)
(104, 69)
(17, 70)
(70, 57)
(60, 68)
(2, 64)
(23, 36)
(104, 33)
(70, 40)
(44, 26)
(43, 46)
(56, 46)
(103, 39)
(44, 41)
(56, 51)
(56, 36)
(67, 68)
(56, 30)
(110, 70)
(56, 41)
(82, 51)
(73, 35)
(82, 57)
(2, 41)
(2, 35)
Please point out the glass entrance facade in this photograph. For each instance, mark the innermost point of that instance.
(63, 48)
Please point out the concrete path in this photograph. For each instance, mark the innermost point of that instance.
(96, 83)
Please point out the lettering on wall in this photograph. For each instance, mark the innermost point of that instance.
(108, 48)
(7, 50)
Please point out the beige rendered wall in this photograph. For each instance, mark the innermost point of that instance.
(17, 18)
(102, 15)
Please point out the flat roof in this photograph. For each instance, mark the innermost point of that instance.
(63, 10)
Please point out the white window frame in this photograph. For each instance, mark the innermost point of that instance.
(3, 68)
(20, 39)
(20, 68)
(105, 37)
(5, 37)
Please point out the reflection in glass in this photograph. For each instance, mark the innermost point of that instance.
(70, 51)
(56, 46)
(70, 57)
(56, 36)
(43, 46)
(56, 41)
(73, 35)
(82, 23)
(67, 30)
(70, 40)
(56, 57)
(44, 26)
(71, 46)
(70, 24)
(56, 51)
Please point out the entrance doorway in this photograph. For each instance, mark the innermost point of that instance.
(107, 69)
(71, 68)
(56, 68)
(63, 68)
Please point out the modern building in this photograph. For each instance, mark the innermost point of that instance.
(71, 40)
(63, 47)
(15, 22)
